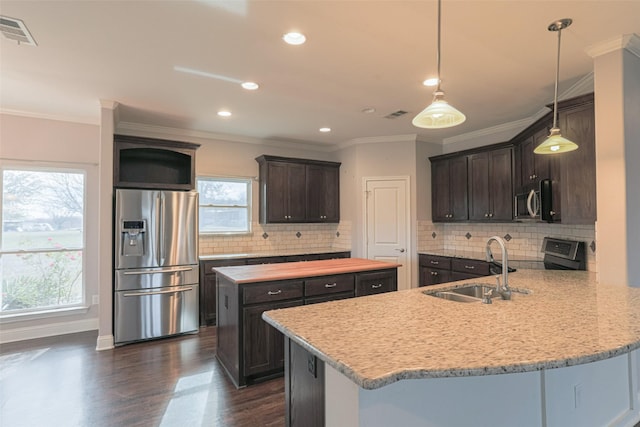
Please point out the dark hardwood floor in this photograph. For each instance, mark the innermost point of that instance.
(64, 381)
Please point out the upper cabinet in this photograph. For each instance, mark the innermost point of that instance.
(578, 168)
(153, 163)
(490, 185)
(449, 189)
(298, 190)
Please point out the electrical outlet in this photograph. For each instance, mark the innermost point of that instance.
(577, 396)
(311, 365)
(95, 300)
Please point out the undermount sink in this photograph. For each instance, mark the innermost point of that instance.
(470, 292)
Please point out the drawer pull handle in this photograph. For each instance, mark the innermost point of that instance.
(330, 285)
(470, 267)
(278, 292)
(435, 262)
(379, 285)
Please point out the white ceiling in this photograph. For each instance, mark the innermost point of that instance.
(498, 62)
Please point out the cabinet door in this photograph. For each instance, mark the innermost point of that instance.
(479, 187)
(440, 191)
(276, 199)
(500, 184)
(208, 300)
(296, 192)
(323, 194)
(578, 198)
(263, 345)
(434, 276)
(458, 184)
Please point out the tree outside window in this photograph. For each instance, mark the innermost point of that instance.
(42, 243)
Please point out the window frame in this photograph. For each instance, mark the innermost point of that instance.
(50, 311)
(248, 181)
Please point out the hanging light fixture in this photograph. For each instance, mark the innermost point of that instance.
(555, 142)
(440, 114)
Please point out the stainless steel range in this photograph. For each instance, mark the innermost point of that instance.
(561, 254)
(155, 264)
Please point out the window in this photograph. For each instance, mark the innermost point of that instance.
(41, 241)
(225, 205)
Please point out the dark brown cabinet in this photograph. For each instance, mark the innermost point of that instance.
(298, 190)
(532, 167)
(449, 189)
(323, 193)
(153, 163)
(490, 185)
(578, 180)
(435, 269)
(304, 387)
(250, 349)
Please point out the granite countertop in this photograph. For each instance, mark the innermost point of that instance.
(290, 252)
(296, 270)
(568, 319)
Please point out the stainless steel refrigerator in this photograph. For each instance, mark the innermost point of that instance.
(155, 264)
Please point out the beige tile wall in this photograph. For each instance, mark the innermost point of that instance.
(280, 238)
(525, 243)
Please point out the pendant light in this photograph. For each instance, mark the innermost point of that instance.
(440, 114)
(555, 142)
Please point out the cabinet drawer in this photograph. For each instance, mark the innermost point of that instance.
(329, 285)
(470, 266)
(271, 291)
(375, 283)
(435, 261)
(329, 297)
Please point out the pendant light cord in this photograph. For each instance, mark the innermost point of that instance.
(438, 51)
(555, 96)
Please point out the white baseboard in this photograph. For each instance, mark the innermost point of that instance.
(105, 342)
(48, 330)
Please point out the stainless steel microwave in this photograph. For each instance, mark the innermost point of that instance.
(536, 204)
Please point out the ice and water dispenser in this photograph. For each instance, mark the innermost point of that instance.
(133, 238)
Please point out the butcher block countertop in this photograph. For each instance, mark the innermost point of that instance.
(296, 270)
(567, 319)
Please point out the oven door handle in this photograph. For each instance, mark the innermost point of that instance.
(168, 291)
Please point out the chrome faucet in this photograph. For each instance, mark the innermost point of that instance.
(502, 290)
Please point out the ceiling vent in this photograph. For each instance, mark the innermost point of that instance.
(14, 29)
(396, 114)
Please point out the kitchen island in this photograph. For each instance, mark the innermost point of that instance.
(251, 350)
(565, 354)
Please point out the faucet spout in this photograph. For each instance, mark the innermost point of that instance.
(502, 290)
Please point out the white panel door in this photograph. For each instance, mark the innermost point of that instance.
(387, 223)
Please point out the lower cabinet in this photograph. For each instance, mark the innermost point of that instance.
(304, 387)
(435, 269)
(250, 349)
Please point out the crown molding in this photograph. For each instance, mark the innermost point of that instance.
(189, 135)
(514, 127)
(630, 42)
(583, 86)
(70, 119)
(377, 140)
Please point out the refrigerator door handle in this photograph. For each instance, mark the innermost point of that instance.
(162, 225)
(167, 270)
(144, 294)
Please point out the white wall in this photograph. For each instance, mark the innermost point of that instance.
(31, 141)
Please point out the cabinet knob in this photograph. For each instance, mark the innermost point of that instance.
(535, 176)
(434, 273)
(552, 213)
(486, 215)
(490, 215)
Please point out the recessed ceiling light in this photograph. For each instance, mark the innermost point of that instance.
(250, 85)
(368, 110)
(325, 129)
(294, 38)
(224, 113)
(433, 81)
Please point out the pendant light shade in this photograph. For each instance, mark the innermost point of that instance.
(440, 114)
(555, 142)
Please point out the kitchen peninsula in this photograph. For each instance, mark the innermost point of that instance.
(248, 348)
(564, 354)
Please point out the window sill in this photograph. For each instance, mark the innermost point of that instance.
(43, 314)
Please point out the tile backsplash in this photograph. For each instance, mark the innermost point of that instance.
(523, 240)
(272, 238)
